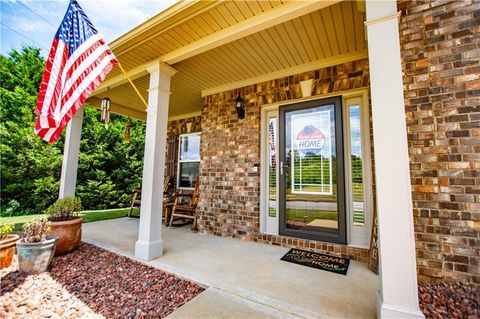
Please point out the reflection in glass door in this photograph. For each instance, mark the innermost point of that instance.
(312, 188)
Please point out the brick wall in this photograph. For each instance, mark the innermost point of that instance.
(440, 51)
(440, 43)
(229, 189)
(179, 126)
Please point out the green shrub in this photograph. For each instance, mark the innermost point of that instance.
(64, 209)
(12, 207)
(30, 169)
(5, 230)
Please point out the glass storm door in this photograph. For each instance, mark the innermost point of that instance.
(312, 184)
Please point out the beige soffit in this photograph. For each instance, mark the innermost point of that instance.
(171, 16)
(217, 46)
(314, 65)
(267, 19)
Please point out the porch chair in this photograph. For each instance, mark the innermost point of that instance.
(188, 208)
(137, 193)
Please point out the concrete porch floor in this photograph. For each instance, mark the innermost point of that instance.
(245, 279)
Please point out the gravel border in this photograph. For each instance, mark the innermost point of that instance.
(449, 300)
(93, 283)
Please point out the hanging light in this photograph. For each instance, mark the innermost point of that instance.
(128, 126)
(105, 110)
(239, 106)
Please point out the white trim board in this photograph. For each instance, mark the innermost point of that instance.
(184, 116)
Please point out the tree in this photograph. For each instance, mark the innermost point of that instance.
(109, 166)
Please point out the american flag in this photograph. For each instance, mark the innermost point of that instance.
(78, 62)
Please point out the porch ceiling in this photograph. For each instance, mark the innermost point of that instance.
(286, 43)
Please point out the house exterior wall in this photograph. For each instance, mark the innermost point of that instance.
(179, 126)
(440, 43)
(229, 188)
(441, 65)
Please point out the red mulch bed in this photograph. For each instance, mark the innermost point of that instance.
(449, 300)
(90, 283)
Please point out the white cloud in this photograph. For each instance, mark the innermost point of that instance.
(38, 23)
(116, 17)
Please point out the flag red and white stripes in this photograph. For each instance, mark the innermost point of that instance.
(78, 62)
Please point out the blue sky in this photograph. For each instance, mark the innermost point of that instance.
(35, 22)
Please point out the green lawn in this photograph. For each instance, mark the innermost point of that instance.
(358, 218)
(357, 194)
(296, 214)
(310, 215)
(88, 216)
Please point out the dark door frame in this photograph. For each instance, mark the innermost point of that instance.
(339, 237)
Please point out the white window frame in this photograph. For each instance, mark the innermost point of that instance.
(357, 236)
(185, 161)
(268, 225)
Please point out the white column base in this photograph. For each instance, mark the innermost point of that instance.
(148, 250)
(393, 311)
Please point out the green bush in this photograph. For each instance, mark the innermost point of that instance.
(108, 167)
(64, 209)
(5, 230)
(12, 207)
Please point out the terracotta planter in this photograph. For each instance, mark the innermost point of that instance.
(34, 258)
(7, 249)
(69, 235)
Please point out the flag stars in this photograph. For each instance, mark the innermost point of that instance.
(75, 28)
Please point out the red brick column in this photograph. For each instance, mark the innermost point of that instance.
(440, 43)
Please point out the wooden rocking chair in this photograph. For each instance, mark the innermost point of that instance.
(137, 193)
(186, 209)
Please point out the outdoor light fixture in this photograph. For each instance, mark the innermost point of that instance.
(239, 103)
(105, 109)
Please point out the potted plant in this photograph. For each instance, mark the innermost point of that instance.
(7, 245)
(35, 249)
(66, 224)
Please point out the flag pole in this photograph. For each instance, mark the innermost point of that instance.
(133, 85)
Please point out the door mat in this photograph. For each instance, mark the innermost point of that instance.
(338, 265)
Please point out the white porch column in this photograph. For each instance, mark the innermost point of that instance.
(398, 297)
(71, 150)
(150, 244)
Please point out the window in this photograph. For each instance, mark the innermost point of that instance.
(269, 193)
(358, 167)
(272, 167)
(188, 160)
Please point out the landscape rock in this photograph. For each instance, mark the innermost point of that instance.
(93, 283)
(449, 300)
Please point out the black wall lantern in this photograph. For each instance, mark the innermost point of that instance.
(239, 106)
